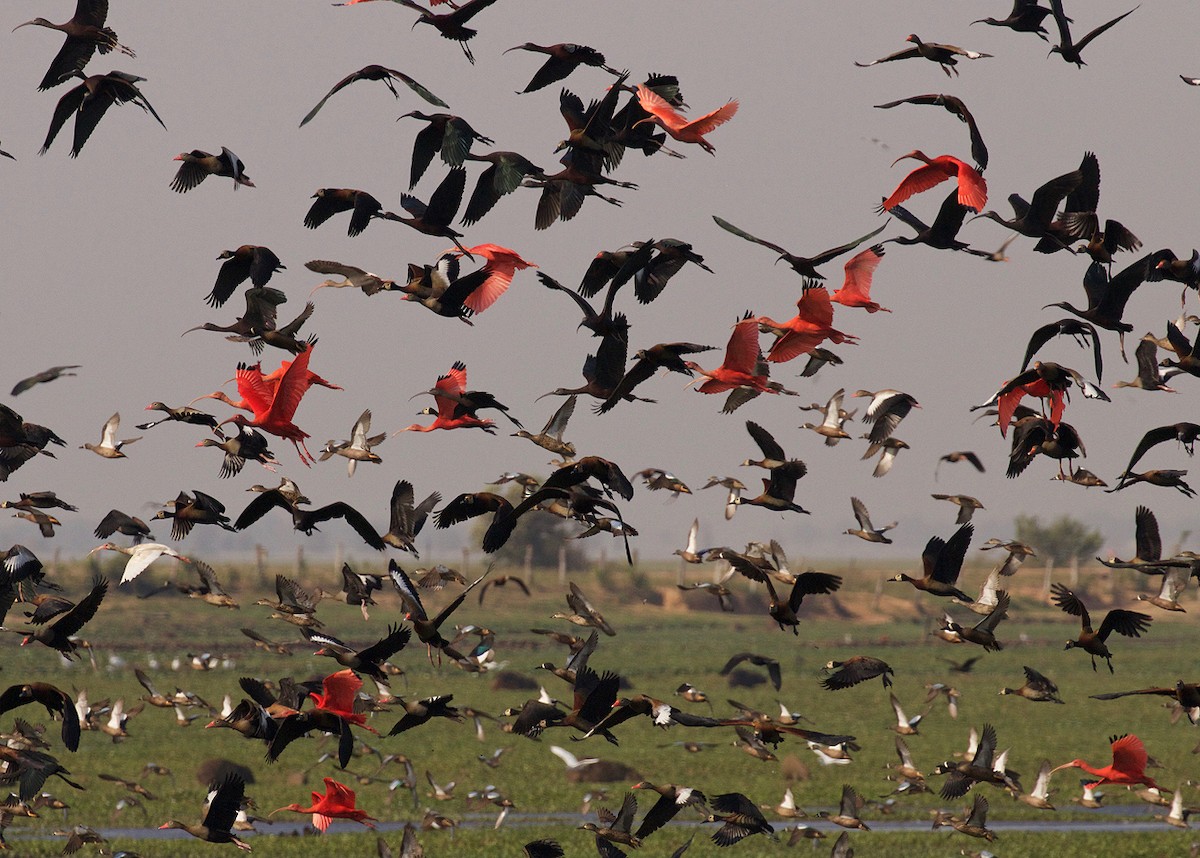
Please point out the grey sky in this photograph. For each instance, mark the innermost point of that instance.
(105, 265)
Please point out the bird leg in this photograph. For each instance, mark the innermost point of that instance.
(466, 49)
(1121, 337)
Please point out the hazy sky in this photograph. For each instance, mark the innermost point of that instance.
(106, 266)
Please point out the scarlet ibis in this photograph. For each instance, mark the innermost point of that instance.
(677, 125)
(274, 408)
(942, 560)
(1026, 17)
(376, 72)
(563, 59)
(856, 289)
(452, 25)
(85, 34)
(223, 807)
(90, 100)
(198, 165)
(1128, 765)
(331, 201)
(504, 175)
(359, 447)
(972, 187)
(47, 375)
(109, 447)
(1068, 48)
(449, 413)
(501, 264)
(1131, 624)
(337, 803)
(866, 530)
(811, 326)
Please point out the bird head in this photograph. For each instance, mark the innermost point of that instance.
(1070, 645)
(1074, 764)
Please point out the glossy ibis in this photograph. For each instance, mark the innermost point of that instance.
(380, 73)
(945, 56)
(90, 100)
(85, 34)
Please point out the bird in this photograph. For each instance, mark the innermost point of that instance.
(856, 669)
(983, 632)
(406, 519)
(338, 802)
(802, 265)
(1108, 296)
(965, 503)
(1131, 624)
(447, 134)
(867, 531)
(306, 520)
(451, 25)
(741, 818)
(1067, 47)
(662, 114)
(979, 768)
(1148, 547)
(359, 447)
(352, 276)
(58, 634)
(856, 288)
(562, 59)
(667, 356)
(504, 174)
(376, 72)
(225, 801)
(368, 660)
(944, 55)
(1186, 695)
(274, 409)
(118, 522)
(90, 100)
(141, 555)
(832, 427)
(885, 411)
(848, 810)
(448, 389)
(616, 828)
(56, 702)
(198, 165)
(942, 234)
(972, 187)
(960, 456)
(956, 107)
(186, 511)
(109, 447)
(85, 34)
(1128, 766)
(942, 561)
(435, 218)
(47, 375)
(331, 201)
(1037, 688)
(1079, 330)
(246, 445)
(428, 628)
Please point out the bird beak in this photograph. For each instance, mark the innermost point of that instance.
(19, 26)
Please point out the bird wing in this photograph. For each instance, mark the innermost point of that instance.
(1146, 535)
(407, 591)
(259, 507)
(75, 619)
(1129, 755)
(427, 143)
(906, 54)
(1131, 624)
(444, 203)
(765, 441)
(291, 389)
(921, 179)
(225, 804)
(352, 517)
(741, 233)
(949, 560)
(337, 87)
(396, 639)
(860, 269)
(67, 107)
(1070, 603)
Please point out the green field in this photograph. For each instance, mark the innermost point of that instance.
(663, 639)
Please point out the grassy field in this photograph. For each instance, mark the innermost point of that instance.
(664, 638)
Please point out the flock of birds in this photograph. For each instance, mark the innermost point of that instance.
(627, 111)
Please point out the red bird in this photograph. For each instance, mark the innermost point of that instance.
(811, 326)
(454, 385)
(502, 264)
(1128, 765)
(339, 693)
(337, 803)
(274, 408)
(972, 188)
(856, 291)
(740, 367)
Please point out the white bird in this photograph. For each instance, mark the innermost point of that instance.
(1039, 796)
(904, 725)
(832, 755)
(692, 553)
(1178, 815)
(109, 447)
(831, 427)
(572, 762)
(140, 556)
(358, 448)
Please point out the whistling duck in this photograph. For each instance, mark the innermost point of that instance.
(867, 531)
(368, 660)
(55, 700)
(942, 560)
(226, 800)
(1131, 624)
(198, 165)
(965, 503)
(616, 828)
(427, 628)
(979, 769)
(109, 447)
(854, 670)
(847, 815)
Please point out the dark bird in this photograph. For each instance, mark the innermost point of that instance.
(960, 456)
(1026, 17)
(246, 445)
(1187, 353)
(1107, 296)
(90, 100)
(1148, 547)
(42, 377)
(505, 173)
(1185, 433)
(848, 810)
(368, 660)
(1131, 624)
(805, 266)
(118, 522)
(452, 25)
(331, 201)
(57, 635)
(305, 520)
(1068, 48)
(186, 511)
(1186, 694)
(1035, 218)
(380, 73)
(562, 59)
(983, 632)
(183, 414)
(426, 627)
(956, 107)
(1167, 478)
(765, 661)
(671, 799)
(198, 165)
(856, 669)
(435, 218)
(352, 277)
(1037, 688)
(942, 560)
(936, 52)
(30, 770)
(741, 818)
(358, 587)
(223, 807)
(419, 712)
(979, 769)
(39, 500)
(85, 34)
(406, 520)
(616, 828)
(965, 503)
(449, 135)
(942, 234)
(250, 261)
(56, 701)
(1079, 330)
